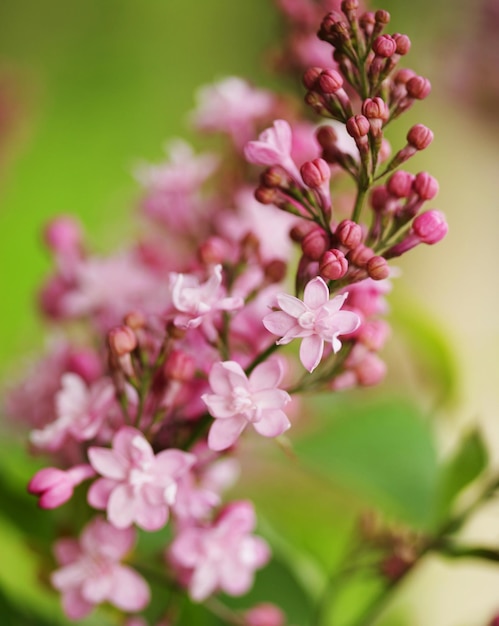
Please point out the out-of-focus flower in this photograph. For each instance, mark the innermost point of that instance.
(55, 486)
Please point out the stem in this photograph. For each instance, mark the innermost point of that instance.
(261, 357)
(359, 200)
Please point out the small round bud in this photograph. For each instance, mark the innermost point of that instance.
(135, 320)
(377, 268)
(180, 366)
(371, 370)
(315, 173)
(267, 195)
(275, 270)
(349, 5)
(403, 76)
(357, 126)
(63, 235)
(274, 177)
(495, 621)
(375, 108)
(264, 614)
(367, 21)
(430, 226)
(349, 234)
(121, 340)
(315, 243)
(86, 363)
(379, 198)
(419, 136)
(330, 81)
(360, 255)
(418, 87)
(326, 136)
(212, 251)
(425, 186)
(298, 232)
(403, 43)
(327, 24)
(382, 17)
(384, 46)
(400, 184)
(333, 264)
(310, 77)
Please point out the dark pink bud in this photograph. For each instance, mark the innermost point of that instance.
(330, 81)
(333, 264)
(267, 195)
(213, 251)
(86, 363)
(375, 108)
(418, 87)
(419, 136)
(425, 186)
(298, 232)
(377, 268)
(360, 255)
(349, 234)
(382, 17)
(326, 136)
(357, 126)
(379, 198)
(315, 243)
(315, 173)
(349, 5)
(274, 177)
(400, 184)
(495, 621)
(122, 340)
(63, 234)
(135, 320)
(180, 366)
(264, 614)
(430, 226)
(384, 46)
(275, 270)
(403, 43)
(310, 77)
(367, 21)
(403, 76)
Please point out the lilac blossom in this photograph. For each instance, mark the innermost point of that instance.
(55, 486)
(223, 556)
(314, 320)
(91, 571)
(136, 485)
(239, 400)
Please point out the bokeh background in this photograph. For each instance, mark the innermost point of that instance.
(90, 87)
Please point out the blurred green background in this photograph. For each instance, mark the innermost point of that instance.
(89, 87)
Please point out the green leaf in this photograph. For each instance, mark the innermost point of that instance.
(384, 451)
(464, 466)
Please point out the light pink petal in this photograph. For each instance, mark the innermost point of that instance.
(234, 579)
(271, 399)
(129, 591)
(218, 406)
(346, 322)
(74, 604)
(173, 463)
(151, 517)
(96, 589)
(255, 552)
(57, 495)
(311, 350)
(335, 303)
(222, 376)
(121, 507)
(238, 518)
(67, 550)
(266, 375)
(203, 582)
(291, 305)
(100, 537)
(107, 463)
(282, 136)
(336, 343)
(316, 293)
(272, 424)
(261, 153)
(224, 433)
(185, 548)
(99, 493)
(230, 303)
(280, 323)
(124, 442)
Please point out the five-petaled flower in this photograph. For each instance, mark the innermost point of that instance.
(315, 320)
(238, 401)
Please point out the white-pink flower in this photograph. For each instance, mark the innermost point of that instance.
(273, 147)
(315, 320)
(223, 556)
(137, 485)
(92, 573)
(238, 401)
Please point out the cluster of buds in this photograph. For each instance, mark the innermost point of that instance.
(184, 330)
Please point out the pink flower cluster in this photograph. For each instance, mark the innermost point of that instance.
(144, 414)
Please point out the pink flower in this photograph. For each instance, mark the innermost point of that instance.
(315, 319)
(273, 147)
(55, 486)
(91, 571)
(223, 556)
(137, 486)
(238, 400)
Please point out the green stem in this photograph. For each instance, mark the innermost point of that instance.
(261, 357)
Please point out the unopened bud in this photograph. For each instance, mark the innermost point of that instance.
(377, 268)
(382, 17)
(403, 76)
(315, 173)
(330, 81)
(371, 370)
(275, 270)
(63, 234)
(333, 264)
(86, 363)
(384, 46)
(264, 614)
(349, 234)
(403, 43)
(135, 320)
(326, 136)
(419, 136)
(274, 177)
(495, 621)
(418, 87)
(400, 184)
(425, 186)
(430, 226)
(298, 232)
(360, 255)
(180, 366)
(349, 5)
(267, 195)
(315, 243)
(122, 340)
(379, 198)
(310, 77)
(358, 126)
(367, 21)
(212, 251)
(375, 108)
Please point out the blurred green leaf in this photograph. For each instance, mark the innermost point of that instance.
(383, 450)
(464, 466)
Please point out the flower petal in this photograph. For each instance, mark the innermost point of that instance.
(316, 293)
(291, 305)
(280, 323)
(273, 423)
(121, 507)
(311, 350)
(266, 375)
(129, 591)
(107, 463)
(224, 433)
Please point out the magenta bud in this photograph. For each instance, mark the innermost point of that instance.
(425, 186)
(180, 366)
(403, 43)
(375, 108)
(349, 234)
(360, 255)
(403, 76)
(310, 77)
(86, 363)
(379, 198)
(63, 234)
(213, 251)
(330, 81)
(382, 17)
(418, 87)
(264, 614)
(430, 226)
(400, 184)
(275, 270)
(55, 486)
(357, 126)
(384, 46)
(326, 136)
(298, 232)
(419, 136)
(333, 264)
(121, 340)
(315, 243)
(377, 268)
(315, 173)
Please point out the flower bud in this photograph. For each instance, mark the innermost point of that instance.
(330, 81)
(86, 363)
(495, 621)
(135, 320)
(180, 366)
(371, 370)
(275, 270)
(63, 235)
(315, 173)
(379, 198)
(315, 243)
(349, 5)
(213, 251)
(333, 264)
(274, 176)
(384, 46)
(298, 232)
(367, 21)
(418, 87)
(425, 186)
(420, 136)
(430, 226)
(382, 17)
(326, 136)
(310, 77)
(264, 614)
(400, 184)
(403, 43)
(55, 486)
(121, 340)
(375, 108)
(358, 126)
(377, 268)
(360, 255)
(349, 234)
(403, 76)
(267, 195)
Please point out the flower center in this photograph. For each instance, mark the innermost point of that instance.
(307, 320)
(242, 402)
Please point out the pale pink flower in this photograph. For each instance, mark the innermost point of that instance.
(137, 486)
(264, 614)
(273, 147)
(223, 556)
(80, 411)
(315, 320)
(238, 401)
(92, 573)
(55, 486)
